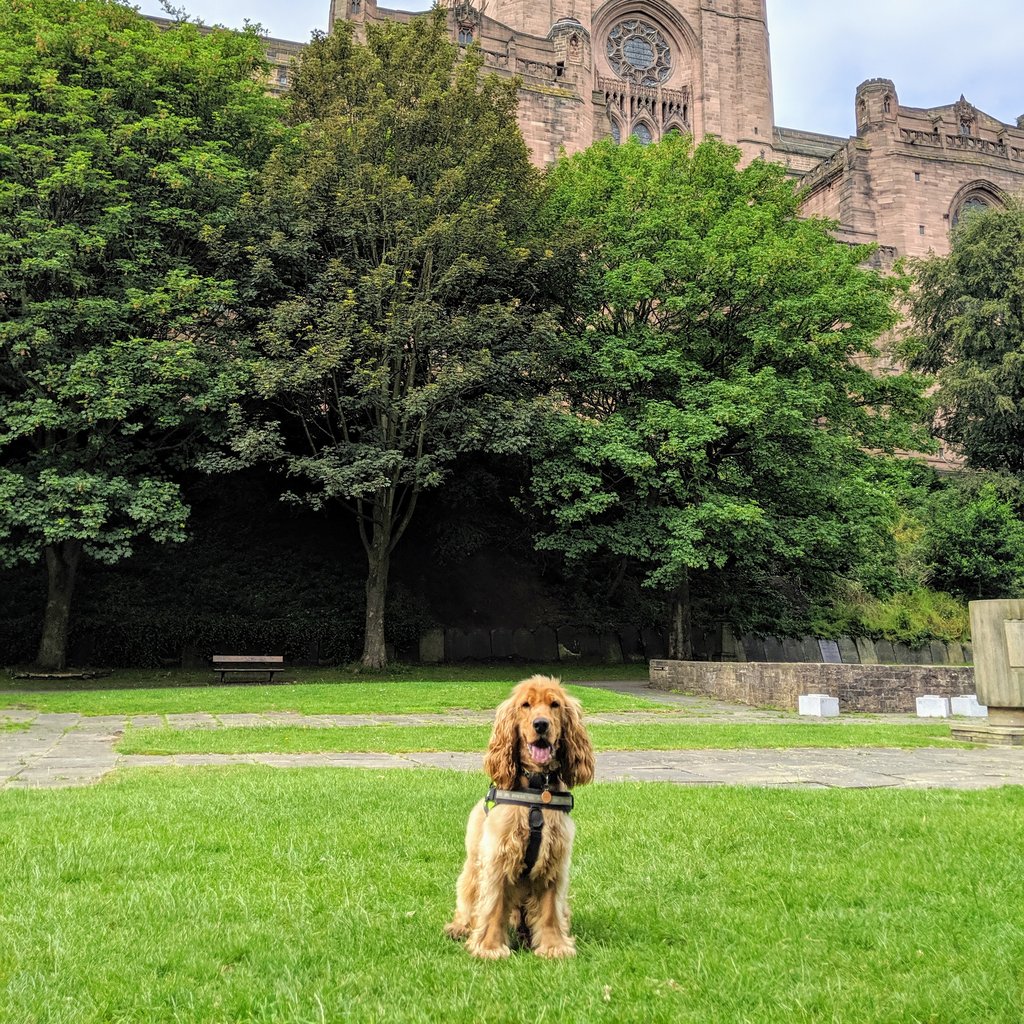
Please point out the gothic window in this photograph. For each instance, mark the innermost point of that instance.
(465, 36)
(887, 105)
(355, 6)
(642, 134)
(965, 127)
(616, 130)
(637, 51)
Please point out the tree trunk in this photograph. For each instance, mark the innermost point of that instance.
(378, 555)
(679, 646)
(61, 568)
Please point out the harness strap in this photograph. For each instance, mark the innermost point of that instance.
(535, 800)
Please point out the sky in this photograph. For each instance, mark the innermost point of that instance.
(933, 50)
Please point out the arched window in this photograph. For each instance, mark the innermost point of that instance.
(974, 198)
(887, 105)
(616, 130)
(637, 51)
(642, 134)
(465, 35)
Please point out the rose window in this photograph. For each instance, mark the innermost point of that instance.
(638, 51)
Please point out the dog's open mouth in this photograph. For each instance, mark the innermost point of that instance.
(540, 751)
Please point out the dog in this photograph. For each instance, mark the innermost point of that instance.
(519, 838)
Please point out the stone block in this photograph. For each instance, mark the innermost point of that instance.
(968, 705)
(848, 650)
(773, 649)
(432, 647)
(939, 654)
(809, 649)
(968, 654)
(905, 655)
(820, 705)
(539, 645)
(932, 706)
(866, 652)
(792, 649)
(732, 647)
(753, 648)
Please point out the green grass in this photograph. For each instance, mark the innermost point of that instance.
(642, 736)
(12, 726)
(337, 698)
(262, 895)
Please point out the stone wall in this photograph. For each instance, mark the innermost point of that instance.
(865, 688)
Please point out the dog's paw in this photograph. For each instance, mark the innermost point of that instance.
(454, 930)
(556, 950)
(491, 952)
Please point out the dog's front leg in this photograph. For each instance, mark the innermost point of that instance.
(489, 938)
(547, 914)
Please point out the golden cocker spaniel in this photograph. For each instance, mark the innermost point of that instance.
(519, 838)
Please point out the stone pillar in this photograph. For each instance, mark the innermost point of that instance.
(997, 634)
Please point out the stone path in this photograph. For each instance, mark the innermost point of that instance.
(69, 749)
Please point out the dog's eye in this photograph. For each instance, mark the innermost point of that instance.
(526, 703)
(555, 704)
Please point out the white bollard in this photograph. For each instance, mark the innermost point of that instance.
(821, 705)
(967, 704)
(932, 706)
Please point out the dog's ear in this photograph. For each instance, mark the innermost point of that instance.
(501, 762)
(577, 752)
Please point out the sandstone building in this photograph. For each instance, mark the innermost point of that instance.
(593, 69)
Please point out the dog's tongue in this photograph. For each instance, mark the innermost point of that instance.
(540, 754)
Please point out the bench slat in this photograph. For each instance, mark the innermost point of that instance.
(248, 659)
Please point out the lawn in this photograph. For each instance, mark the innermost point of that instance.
(641, 736)
(262, 895)
(338, 697)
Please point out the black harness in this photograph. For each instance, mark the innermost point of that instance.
(535, 796)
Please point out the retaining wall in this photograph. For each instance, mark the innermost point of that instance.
(867, 688)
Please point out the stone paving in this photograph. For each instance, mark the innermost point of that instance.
(70, 749)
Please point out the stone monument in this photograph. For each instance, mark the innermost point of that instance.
(997, 631)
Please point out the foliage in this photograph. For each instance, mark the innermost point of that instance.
(713, 420)
(968, 329)
(397, 290)
(973, 539)
(124, 150)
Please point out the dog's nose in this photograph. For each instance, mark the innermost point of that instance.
(541, 725)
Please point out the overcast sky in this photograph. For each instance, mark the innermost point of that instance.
(933, 50)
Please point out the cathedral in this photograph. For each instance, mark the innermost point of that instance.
(595, 69)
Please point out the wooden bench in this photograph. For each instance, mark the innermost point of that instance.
(254, 664)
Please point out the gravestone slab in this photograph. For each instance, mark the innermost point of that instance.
(631, 643)
(955, 652)
(432, 647)
(938, 653)
(503, 643)
(611, 649)
(848, 650)
(535, 644)
(655, 643)
(732, 647)
(968, 654)
(905, 655)
(866, 651)
(753, 648)
(467, 645)
(830, 652)
(792, 649)
(580, 643)
(774, 650)
(885, 653)
(809, 649)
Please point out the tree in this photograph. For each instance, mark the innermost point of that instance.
(124, 150)
(713, 422)
(968, 329)
(397, 291)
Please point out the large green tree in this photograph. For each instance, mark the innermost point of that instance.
(968, 330)
(714, 423)
(124, 150)
(397, 289)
